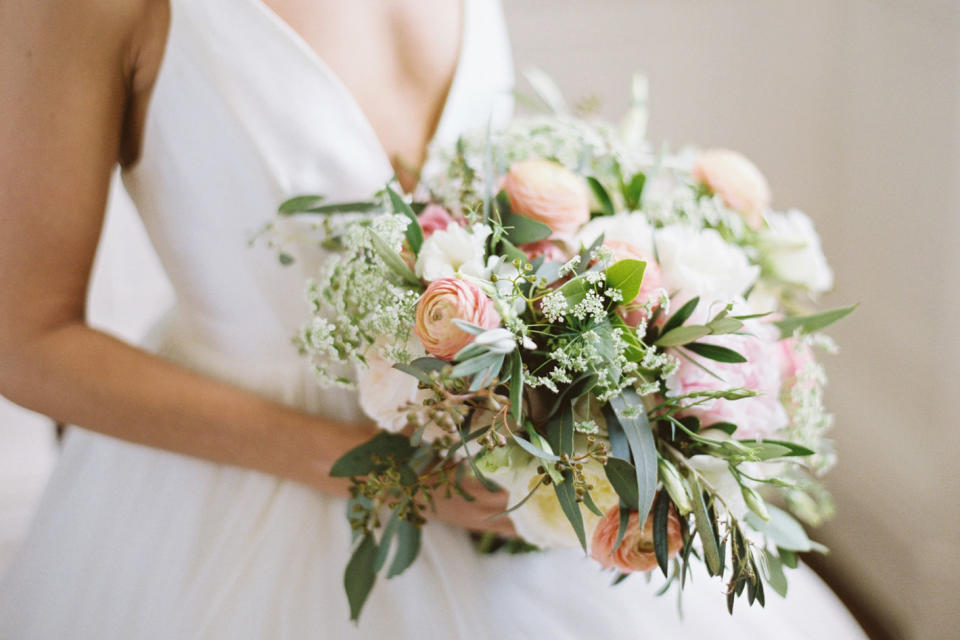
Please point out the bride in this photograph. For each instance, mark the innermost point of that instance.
(195, 500)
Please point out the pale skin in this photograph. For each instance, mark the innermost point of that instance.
(75, 82)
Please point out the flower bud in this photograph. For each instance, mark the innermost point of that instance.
(674, 486)
(754, 501)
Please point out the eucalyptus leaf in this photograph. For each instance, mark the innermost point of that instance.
(781, 529)
(633, 191)
(516, 386)
(360, 575)
(408, 546)
(725, 325)
(567, 497)
(813, 323)
(345, 207)
(632, 418)
(533, 449)
(298, 204)
(708, 540)
(623, 478)
(359, 460)
(775, 576)
(661, 512)
(682, 336)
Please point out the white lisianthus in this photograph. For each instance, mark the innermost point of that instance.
(699, 262)
(793, 251)
(632, 228)
(541, 521)
(454, 251)
(384, 392)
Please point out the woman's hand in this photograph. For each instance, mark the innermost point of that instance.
(476, 515)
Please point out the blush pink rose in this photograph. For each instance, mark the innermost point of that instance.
(635, 552)
(444, 301)
(757, 416)
(649, 288)
(434, 218)
(549, 193)
(737, 181)
(545, 249)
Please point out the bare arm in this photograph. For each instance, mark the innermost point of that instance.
(71, 75)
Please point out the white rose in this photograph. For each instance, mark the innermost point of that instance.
(384, 391)
(632, 228)
(701, 263)
(541, 521)
(793, 251)
(454, 251)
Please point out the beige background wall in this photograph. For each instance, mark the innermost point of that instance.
(852, 109)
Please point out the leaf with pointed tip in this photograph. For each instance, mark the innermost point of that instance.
(682, 335)
(661, 513)
(627, 276)
(393, 260)
(813, 323)
(359, 576)
(682, 315)
(520, 229)
(715, 352)
(408, 546)
(298, 204)
(414, 233)
(632, 418)
(600, 193)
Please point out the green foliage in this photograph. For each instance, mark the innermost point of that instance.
(600, 193)
(414, 233)
(393, 260)
(623, 477)
(360, 574)
(813, 323)
(520, 229)
(627, 276)
(372, 455)
(631, 417)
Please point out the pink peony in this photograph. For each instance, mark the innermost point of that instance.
(737, 181)
(434, 218)
(548, 250)
(636, 549)
(756, 416)
(795, 356)
(549, 193)
(444, 301)
(649, 288)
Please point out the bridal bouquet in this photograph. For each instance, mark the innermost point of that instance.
(621, 340)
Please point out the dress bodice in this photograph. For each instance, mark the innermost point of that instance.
(244, 114)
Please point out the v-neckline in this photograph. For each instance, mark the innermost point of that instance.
(298, 41)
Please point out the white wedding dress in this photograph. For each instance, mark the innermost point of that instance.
(132, 542)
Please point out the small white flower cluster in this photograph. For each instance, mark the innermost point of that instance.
(592, 306)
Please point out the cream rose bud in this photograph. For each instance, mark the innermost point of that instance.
(793, 251)
(444, 301)
(549, 193)
(737, 181)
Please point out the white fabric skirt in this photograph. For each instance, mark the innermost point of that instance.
(136, 543)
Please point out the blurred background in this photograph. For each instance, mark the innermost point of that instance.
(852, 109)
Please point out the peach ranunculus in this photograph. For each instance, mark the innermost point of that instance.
(434, 218)
(737, 181)
(444, 301)
(543, 248)
(549, 193)
(635, 552)
(650, 286)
